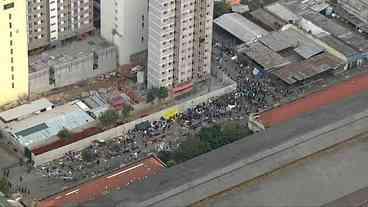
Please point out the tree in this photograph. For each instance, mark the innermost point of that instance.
(108, 117)
(191, 148)
(126, 111)
(213, 136)
(234, 131)
(220, 8)
(163, 92)
(170, 163)
(64, 134)
(87, 156)
(4, 185)
(165, 156)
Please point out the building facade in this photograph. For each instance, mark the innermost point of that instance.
(50, 21)
(70, 64)
(180, 41)
(125, 24)
(14, 53)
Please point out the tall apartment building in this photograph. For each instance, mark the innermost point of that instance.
(50, 21)
(13, 53)
(125, 24)
(180, 41)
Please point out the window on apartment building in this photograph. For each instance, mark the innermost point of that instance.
(13, 86)
(11, 42)
(12, 76)
(12, 68)
(10, 16)
(9, 6)
(95, 61)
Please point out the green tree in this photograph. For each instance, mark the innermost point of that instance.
(108, 117)
(87, 156)
(165, 156)
(191, 148)
(64, 134)
(163, 92)
(213, 136)
(220, 8)
(170, 163)
(126, 111)
(234, 131)
(4, 185)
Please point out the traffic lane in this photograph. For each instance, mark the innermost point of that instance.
(314, 101)
(98, 187)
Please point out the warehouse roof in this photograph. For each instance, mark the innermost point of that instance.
(240, 27)
(350, 37)
(295, 72)
(267, 18)
(282, 12)
(289, 37)
(277, 41)
(338, 45)
(264, 56)
(25, 110)
(38, 129)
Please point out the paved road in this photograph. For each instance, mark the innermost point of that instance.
(316, 100)
(358, 198)
(312, 182)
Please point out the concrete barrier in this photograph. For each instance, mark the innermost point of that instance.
(122, 129)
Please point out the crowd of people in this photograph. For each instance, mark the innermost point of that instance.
(253, 94)
(256, 89)
(147, 137)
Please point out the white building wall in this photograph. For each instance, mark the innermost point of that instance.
(53, 7)
(172, 38)
(125, 24)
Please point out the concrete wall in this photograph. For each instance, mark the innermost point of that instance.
(71, 72)
(39, 81)
(118, 131)
(262, 163)
(82, 68)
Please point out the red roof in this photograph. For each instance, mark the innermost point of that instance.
(96, 188)
(63, 142)
(314, 101)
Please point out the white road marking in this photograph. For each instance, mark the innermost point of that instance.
(74, 191)
(124, 171)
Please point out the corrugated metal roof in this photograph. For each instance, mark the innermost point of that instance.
(339, 45)
(240, 27)
(277, 41)
(267, 19)
(25, 110)
(295, 72)
(307, 51)
(282, 12)
(38, 129)
(264, 56)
